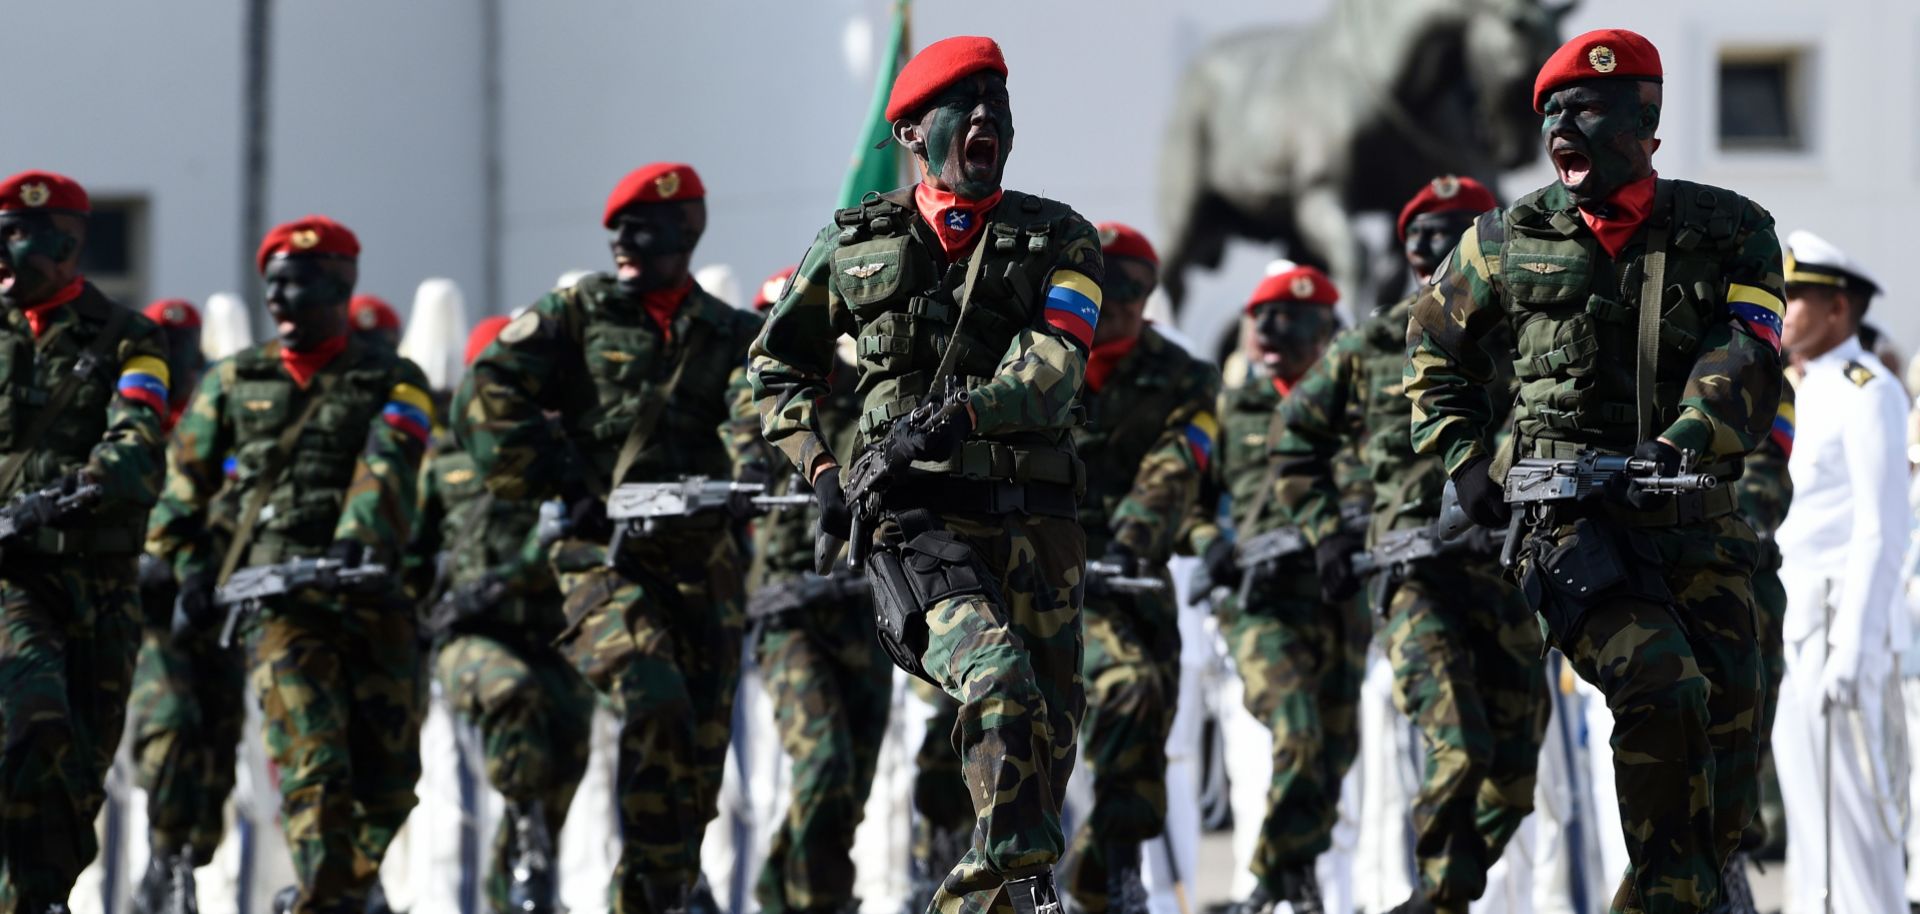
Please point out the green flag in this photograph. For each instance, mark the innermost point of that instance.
(878, 169)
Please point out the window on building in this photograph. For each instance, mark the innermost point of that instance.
(115, 257)
(1763, 100)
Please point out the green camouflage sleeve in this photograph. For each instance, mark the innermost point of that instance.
(1315, 428)
(421, 563)
(130, 462)
(1733, 390)
(1447, 368)
(1170, 476)
(178, 531)
(792, 357)
(1765, 489)
(1201, 526)
(500, 407)
(740, 433)
(383, 498)
(1040, 374)
(527, 571)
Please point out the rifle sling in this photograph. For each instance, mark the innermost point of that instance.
(975, 258)
(276, 465)
(1646, 365)
(650, 413)
(56, 404)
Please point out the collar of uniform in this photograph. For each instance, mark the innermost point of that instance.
(1849, 350)
(43, 315)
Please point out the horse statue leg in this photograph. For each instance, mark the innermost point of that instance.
(1324, 229)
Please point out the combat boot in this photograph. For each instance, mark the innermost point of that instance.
(1256, 902)
(1300, 887)
(1033, 894)
(377, 899)
(1736, 896)
(700, 900)
(1415, 904)
(530, 870)
(168, 886)
(1126, 891)
(934, 855)
(284, 900)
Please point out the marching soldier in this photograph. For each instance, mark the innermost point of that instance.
(84, 405)
(1842, 549)
(638, 365)
(493, 611)
(829, 681)
(1647, 319)
(1301, 657)
(1148, 439)
(326, 434)
(956, 278)
(1465, 648)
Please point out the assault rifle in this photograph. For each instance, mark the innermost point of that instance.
(460, 603)
(1256, 552)
(29, 511)
(637, 507)
(877, 468)
(803, 590)
(1114, 579)
(249, 587)
(1451, 532)
(1537, 485)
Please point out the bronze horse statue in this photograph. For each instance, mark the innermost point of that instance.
(1284, 134)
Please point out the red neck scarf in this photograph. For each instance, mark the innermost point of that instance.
(39, 314)
(955, 219)
(1103, 359)
(1282, 386)
(304, 365)
(1621, 214)
(663, 304)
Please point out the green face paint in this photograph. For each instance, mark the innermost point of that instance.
(653, 244)
(1292, 335)
(1594, 132)
(968, 133)
(1431, 236)
(33, 247)
(307, 300)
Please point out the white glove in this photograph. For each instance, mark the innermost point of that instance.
(1840, 680)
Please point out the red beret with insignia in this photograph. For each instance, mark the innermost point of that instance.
(371, 312)
(483, 335)
(1299, 283)
(1599, 54)
(308, 236)
(173, 312)
(770, 289)
(939, 65)
(43, 190)
(1446, 194)
(1121, 240)
(660, 182)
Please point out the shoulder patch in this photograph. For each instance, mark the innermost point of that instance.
(457, 477)
(520, 327)
(1859, 374)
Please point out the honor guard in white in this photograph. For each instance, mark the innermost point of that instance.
(1842, 546)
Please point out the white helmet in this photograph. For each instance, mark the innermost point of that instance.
(720, 282)
(225, 326)
(436, 334)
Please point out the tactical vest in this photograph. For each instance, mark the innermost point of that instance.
(481, 533)
(891, 278)
(629, 362)
(1575, 314)
(303, 507)
(1125, 419)
(1246, 420)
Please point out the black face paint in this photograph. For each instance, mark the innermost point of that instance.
(31, 249)
(653, 244)
(969, 134)
(1431, 237)
(1292, 335)
(307, 300)
(1594, 132)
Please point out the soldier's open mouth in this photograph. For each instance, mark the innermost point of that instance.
(982, 150)
(1573, 166)
(6, 277)
(625, 268)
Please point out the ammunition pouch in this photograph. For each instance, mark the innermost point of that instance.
(1566, 576)
(958, 495)
(908, 577)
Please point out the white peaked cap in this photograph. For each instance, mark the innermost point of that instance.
(436, 336)
(225, 326)
(1813, 259)
(1280, 265)
(720, 282)
(570, 277)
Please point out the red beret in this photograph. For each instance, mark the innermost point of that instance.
(371, 312)
(1599, 54)
(1121, 240)
(1300, 283)
(1446, 194)
(484, 334)
(659, 182)
(770, 289)
(308, 235)
(173, 312)
(939, 65)
(43, 190)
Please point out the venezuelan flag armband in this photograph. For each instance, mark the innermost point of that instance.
(1073, 305)
(143, 380)
(410, 410)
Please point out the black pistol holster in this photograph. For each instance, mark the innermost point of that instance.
(925, 565)
(1567, 576)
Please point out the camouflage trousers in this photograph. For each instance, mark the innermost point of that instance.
(942, 809)
(69, 630)
(342, 689)
(1012, 661)
(830, 686)
(1468, 671)
(1132, 670)
(188, 712)
(1302, 662)
(1770, 612)
(1684, 683)
(660, 637)
(533, 713)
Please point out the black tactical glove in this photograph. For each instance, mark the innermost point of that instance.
(1121, 555)
(1666, 459)
(587, 517)
(1216, 570)
(835, 517)
(1333, 562)
(936, 442)
(193, 609)
(1483, 499)
(740, 505)
(349, 553)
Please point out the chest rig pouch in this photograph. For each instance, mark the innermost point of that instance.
(909, 575)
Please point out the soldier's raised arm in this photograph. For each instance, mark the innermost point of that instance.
(1044, 365)
(1447, 369)
(792, 356)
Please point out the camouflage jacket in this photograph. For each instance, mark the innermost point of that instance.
(1148, 441)
(600, 361)
(783, 540)
(479, 535)
(353, 472)
(111, 427)
(1574, 312)
(1765, 489)
(878, 274)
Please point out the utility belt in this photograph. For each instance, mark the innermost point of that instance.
(116, 540)
(943, 494)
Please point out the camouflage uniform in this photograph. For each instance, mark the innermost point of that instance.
(1766, 491)
(188, 713)
(1300, 659)
(1148, 440)
(1012, 659)
(1670, 639)
(69, 604)
(658, 632)
(1465, 648)
(339, 676)
(498, 668)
